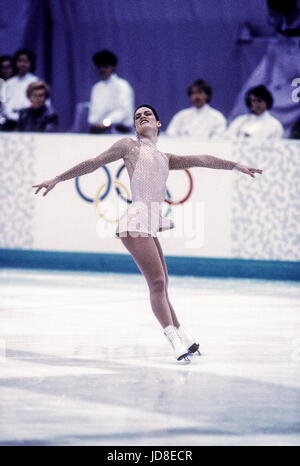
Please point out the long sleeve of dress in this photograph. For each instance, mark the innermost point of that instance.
(117, 151)
(181, 162)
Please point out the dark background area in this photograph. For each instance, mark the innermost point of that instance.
(162, 45)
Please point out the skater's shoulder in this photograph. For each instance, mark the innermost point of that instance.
(125, 145)
(125, 142)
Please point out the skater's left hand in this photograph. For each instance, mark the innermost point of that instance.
(248, 170)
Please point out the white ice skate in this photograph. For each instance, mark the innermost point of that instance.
(188, 341)
(181, 353)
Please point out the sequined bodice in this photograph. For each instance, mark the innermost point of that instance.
(148, 182)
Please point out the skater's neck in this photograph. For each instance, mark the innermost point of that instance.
(150, 140)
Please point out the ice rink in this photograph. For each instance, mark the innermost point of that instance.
(83, 361)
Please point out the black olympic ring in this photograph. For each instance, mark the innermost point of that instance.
(129, 201)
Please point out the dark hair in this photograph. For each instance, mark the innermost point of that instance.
(105, 57)
(151, 108)
(202, 86)
(261, 92)
(4, 58)
(30, 55)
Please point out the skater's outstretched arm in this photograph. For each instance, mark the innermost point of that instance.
(181, 162)
(115, 152)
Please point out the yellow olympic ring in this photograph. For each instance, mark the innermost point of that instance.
(98, 195)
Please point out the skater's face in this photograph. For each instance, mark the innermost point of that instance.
(144, 120)
(257, 105)
(198, 97)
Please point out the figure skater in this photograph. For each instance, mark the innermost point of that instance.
(148, 170)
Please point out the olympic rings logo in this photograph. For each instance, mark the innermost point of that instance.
(107, 186)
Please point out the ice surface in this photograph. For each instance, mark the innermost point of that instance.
(83, 361)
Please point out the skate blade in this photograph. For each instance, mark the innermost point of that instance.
(184, 359)
(194, 350)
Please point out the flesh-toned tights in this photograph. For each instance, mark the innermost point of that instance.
(148, 256)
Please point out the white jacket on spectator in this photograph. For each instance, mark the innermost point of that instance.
(113, 99)
(205, 122)
(16, 97)
(259, 126)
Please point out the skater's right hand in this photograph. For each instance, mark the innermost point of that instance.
(50, 184)
(247, 170)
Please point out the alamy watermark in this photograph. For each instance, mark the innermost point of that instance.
(296, 92)
(188, 220)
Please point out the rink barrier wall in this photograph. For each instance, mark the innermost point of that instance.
(227, 214)
(123, 263)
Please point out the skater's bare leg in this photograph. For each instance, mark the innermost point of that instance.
(146, 256)
(188, 339)
(161, 255)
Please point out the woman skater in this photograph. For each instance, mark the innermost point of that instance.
(148, 170)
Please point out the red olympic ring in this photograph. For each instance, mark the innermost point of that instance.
(188, 194)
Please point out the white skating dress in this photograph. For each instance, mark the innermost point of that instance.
(148, 191)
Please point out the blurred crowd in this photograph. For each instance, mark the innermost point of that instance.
(26, 105)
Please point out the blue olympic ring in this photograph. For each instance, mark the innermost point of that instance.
(88, 199)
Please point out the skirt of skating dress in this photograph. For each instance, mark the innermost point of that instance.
(145, 218)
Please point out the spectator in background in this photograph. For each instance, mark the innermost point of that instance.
(295, 131)
(6, 67)
(200, 120)
(38, 117)
(16, 98)
(259, 123)
(112, 98)
(6, 72)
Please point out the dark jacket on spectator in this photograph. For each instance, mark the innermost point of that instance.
(295, 131)
(39, 119)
